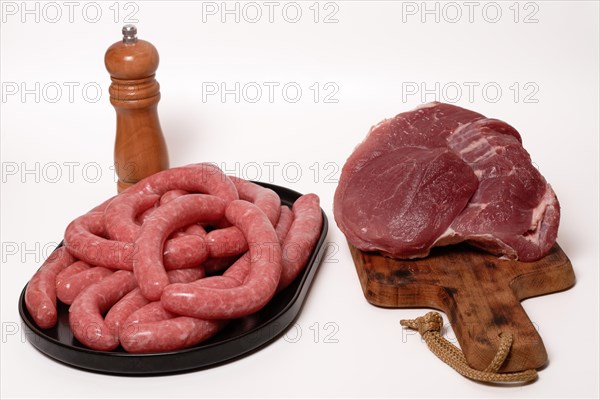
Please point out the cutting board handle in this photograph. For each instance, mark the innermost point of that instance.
(430, 328)
(479, 318)
(479, 293)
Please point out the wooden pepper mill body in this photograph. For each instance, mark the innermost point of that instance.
(140, 148)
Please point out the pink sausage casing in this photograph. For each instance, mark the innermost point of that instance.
(259, 286)
(286, 218)
(186, 275)
(183, 251)
(134, 300)
(213, 266)
(183, 211)
(194, 178)
(264, 198)
(85, 314)
(196, 229)
(84, 239)
(152, 329)
(234, 276)
(226, 242)
(239, 270)
(69, 287)
(171, 195)
(40, 295)
(127, 305)
(120, 217)
(301, 238)
(75, 268)
(230, 241)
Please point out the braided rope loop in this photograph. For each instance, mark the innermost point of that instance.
(430, 328)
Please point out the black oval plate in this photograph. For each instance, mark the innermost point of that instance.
(239, 338)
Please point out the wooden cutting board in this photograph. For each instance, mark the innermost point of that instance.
(480, 294)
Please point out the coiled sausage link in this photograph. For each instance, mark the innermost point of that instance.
(40, 295)
(134, 300)
(70, 287)
(152, 329)
(301, 238)
(259, 286)
(264, 198)
(84, 238)
(285, 222)
(203, 178)
(230, 241)
(75, 268)
(85, 314)
(182, 211)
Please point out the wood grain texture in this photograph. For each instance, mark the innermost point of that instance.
(479, 293)
(140, 147)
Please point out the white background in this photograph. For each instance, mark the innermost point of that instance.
(374, 56)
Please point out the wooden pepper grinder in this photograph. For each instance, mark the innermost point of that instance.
(140, 148)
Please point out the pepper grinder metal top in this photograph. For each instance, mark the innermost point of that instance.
(129, 34)
(140, 148)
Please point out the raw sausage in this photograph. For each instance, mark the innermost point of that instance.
(195, 178)
(193, 229)
(118, 313)
(69, 287)
(259, 286)
(85, 314)
(134, 300)
(152, 329)
(120, 215)
(230, 241)
(239, 270)
(170, 195)
(214, 265)
(75, 268)
(233, 277)
(40, 295)
(182, 211)
(286, 217)
(301, 238)
(196, 229)
(84, 239)
(264, 198)
(180, 252)
(186, 275)
(155, 301)
(226, 242)
(185, 251)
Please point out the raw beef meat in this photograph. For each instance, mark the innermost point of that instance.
(439, 175)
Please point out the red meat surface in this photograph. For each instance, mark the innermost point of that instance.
(439, 175)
